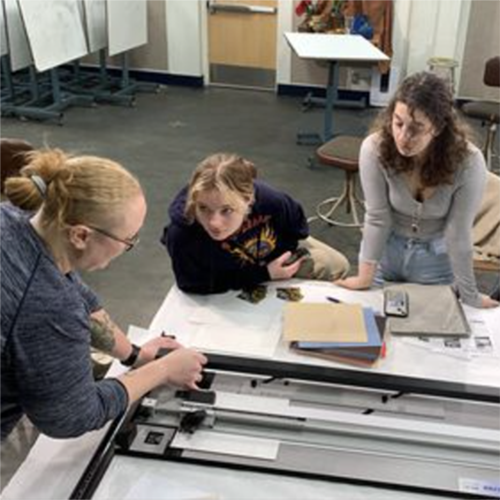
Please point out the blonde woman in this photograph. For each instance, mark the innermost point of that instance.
(229, 231)
(68, 214)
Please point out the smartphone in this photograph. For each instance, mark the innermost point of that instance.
(396, 303)
(299, 253)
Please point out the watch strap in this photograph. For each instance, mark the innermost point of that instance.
(130, 361)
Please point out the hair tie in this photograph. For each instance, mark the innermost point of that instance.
(39, 184)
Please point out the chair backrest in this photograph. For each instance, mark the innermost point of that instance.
(12, 158)
(492, 72)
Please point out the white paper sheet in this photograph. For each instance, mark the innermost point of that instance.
(227, 444)
(243, 402)
(235, 326)
(238, 340)
(479, 344)
(228, 309)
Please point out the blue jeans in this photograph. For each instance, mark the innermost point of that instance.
(409, 260)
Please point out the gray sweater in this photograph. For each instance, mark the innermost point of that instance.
(45, 340)
(449, 212)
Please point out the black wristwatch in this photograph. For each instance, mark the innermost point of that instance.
(130, 361)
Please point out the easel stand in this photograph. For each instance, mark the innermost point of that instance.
(129, 85)
(48, 105)
(7, 92)
(102, 87)
(19, 88)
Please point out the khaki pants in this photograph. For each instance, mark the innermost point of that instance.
(324, 264)
(15, 449)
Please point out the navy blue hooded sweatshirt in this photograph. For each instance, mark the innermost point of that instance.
(203, 265)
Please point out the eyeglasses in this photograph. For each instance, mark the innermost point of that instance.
(129, 243)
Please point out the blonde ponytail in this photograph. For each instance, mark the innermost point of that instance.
(71, 189)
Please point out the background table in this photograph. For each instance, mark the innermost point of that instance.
(333, 49)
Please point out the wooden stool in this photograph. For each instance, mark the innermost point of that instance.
(445, 68)
(341, 152)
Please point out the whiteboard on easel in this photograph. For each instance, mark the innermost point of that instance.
(19, 49)
(127, 25)
(55, 32)
(95, 24)
(3, 33)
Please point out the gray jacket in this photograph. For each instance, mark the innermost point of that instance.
(45, 340)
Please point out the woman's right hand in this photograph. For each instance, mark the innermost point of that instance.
(183, 367)
(354, 283)
(279, 271)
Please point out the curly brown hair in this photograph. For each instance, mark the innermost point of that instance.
(431, 95)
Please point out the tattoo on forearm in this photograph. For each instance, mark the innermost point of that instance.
(102, 336)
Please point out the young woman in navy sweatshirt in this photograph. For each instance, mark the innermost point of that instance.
(229, 231)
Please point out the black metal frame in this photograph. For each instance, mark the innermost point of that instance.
(101, 459)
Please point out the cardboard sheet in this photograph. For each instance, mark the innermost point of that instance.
(324, 323)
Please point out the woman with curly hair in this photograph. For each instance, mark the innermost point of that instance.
(423, 182)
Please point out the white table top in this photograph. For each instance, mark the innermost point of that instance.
(179, 313)
(53, 467)
(334, 47)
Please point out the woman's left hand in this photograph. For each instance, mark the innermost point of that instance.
(150, 349)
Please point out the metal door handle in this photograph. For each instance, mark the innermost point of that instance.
(240, 9)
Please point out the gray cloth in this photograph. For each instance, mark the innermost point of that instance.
(45, 340)
(432, 310)
(449, 212)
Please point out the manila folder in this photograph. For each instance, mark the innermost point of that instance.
(324, 322)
